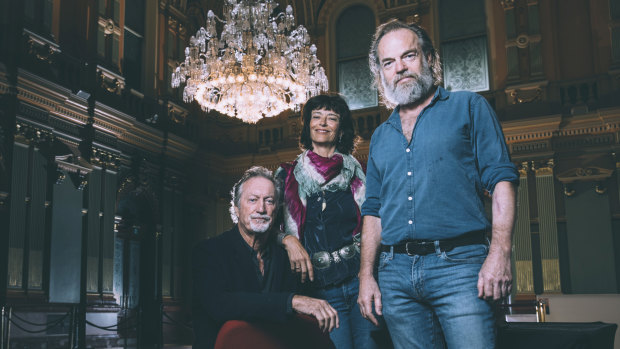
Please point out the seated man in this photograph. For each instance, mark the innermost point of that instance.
(243, 274)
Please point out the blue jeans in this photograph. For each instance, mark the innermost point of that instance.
(354, 331)
(432, 301)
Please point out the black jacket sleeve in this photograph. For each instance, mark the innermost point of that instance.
(226, 289)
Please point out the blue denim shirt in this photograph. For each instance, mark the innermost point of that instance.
(433, 187)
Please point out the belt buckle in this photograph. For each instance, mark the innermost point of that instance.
(321, 260)
(417, 245)
(347, 252)
(336, 256)
(407, 248)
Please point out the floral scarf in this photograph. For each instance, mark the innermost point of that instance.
(311, 173)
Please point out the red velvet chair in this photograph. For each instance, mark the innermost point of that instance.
(301, 331)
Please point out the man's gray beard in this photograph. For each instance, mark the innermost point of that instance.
(260, 228)
(412, 91)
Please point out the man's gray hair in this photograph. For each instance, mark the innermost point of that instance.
(428, 51)
(237, 190)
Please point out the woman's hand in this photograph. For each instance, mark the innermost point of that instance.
(300, 260)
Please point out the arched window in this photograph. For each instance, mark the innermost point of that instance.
(354, 30)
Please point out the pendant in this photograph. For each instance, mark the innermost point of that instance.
(323, 205)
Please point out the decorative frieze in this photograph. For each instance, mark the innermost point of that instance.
(31, 112)
(105, 158)
(29, 133)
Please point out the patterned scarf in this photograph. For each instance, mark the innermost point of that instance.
(311, 173)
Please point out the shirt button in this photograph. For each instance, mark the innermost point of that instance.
(408, 150)
(410, 221)
(410, 198)
(409, 173)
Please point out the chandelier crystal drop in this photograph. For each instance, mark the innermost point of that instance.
(259, 67)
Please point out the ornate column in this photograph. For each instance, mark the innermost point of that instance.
(522, 241)
(548, 231)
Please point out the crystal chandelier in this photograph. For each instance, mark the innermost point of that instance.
(259, 67)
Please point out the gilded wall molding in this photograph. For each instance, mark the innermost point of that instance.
(40, 48)
(177, 113)
(77, 168)
(526, 93)
(524, 169)
(584, 174)
(544, 168)
(507, 4)
(105, 158)
(110, 81)
(66, 112)
(521, 97)
(27, 133)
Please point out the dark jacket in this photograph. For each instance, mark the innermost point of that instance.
(226, 286)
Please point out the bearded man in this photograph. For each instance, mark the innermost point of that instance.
(243, 274)
(429, 167)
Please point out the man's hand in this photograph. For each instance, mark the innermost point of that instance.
(495, 276)
(300, 260)
(320, 309)
(369, 295)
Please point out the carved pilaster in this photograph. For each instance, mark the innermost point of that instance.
(522, 248)
(548, 230)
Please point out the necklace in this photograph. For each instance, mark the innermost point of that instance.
(322, 198)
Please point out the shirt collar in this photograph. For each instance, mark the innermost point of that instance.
(440, 94)
(265, 252)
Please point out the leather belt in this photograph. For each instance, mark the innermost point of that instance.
(424, 247)
(323, 259)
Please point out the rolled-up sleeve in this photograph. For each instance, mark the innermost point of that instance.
(490, 149)
(372, 204)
